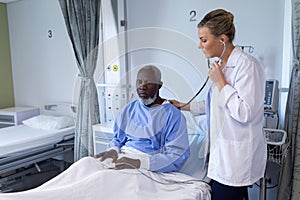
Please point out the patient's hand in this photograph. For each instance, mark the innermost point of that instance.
(113, 154)
(127, 163)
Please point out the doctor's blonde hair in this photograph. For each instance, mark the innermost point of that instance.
(219, 22)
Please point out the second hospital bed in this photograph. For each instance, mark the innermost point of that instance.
(28, 148)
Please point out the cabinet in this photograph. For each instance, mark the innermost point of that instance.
(15, 115)
(102, 135)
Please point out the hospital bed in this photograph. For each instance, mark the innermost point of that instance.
(87, 179)
(38, 143)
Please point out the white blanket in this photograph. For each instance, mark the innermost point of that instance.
(87, 179)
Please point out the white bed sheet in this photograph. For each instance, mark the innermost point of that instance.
(21, 137)
(88, 180)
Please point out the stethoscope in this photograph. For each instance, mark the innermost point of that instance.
(207, 78)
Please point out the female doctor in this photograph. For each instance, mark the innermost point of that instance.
(235, 110)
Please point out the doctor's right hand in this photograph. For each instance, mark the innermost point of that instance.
(113, 154)
(175, 103)
(180, 105)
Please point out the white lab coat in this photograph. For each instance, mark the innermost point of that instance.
(238, 149)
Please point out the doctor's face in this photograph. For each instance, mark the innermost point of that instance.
(210, 45)
(147, 85)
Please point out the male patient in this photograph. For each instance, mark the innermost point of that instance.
(149, 133)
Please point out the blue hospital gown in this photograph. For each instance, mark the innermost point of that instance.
(160, 132)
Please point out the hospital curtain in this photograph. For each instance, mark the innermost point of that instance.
(289, 183)
(82, 23)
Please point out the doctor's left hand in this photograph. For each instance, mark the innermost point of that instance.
(127, 163)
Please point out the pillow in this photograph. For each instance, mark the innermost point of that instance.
(49, 122)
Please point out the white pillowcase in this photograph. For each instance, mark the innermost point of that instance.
(49, 122)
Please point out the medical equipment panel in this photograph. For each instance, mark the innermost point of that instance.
(112, 98)
(271, 96)
(271, 118)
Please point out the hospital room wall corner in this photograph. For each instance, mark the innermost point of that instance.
(6, 82)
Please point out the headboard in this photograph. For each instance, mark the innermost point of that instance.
(66, 109)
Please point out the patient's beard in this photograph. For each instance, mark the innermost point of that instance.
(148, 101)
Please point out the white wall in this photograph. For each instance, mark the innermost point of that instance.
(44, 69)
(259, 23)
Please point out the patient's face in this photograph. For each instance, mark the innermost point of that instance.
(147, 86)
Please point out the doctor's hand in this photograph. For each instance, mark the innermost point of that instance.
(108, 154)
(216, 75)
(179, 104)
(127, 163)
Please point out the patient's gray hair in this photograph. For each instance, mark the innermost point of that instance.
(157, 72)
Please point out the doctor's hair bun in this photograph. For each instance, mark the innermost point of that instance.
(219, 22)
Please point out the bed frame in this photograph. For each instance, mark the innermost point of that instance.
(14, 168)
